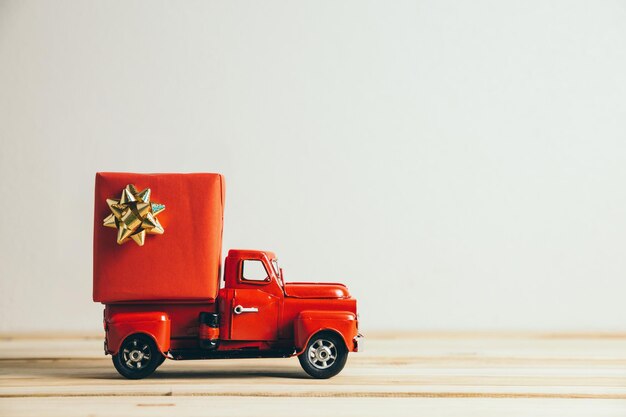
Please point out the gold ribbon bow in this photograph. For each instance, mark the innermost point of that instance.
(133, 215)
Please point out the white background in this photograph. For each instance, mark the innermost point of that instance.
(461, 165)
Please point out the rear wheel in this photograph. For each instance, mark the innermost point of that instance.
(325, 355)
(138, 357)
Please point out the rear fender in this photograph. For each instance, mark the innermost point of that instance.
(121, 325)
(310, 322)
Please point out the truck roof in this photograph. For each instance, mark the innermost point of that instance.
(242, 253)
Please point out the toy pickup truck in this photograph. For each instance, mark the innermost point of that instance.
(158, 275)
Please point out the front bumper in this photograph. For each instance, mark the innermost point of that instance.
(358, 342)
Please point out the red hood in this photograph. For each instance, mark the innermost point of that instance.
(316, 290)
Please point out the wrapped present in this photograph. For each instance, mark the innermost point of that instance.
(157, 236)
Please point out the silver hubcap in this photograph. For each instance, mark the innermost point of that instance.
(136, 355)
(322, 354)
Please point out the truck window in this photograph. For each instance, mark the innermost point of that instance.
(254, 270)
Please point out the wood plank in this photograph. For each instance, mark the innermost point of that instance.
(435, 373)
(308, 407)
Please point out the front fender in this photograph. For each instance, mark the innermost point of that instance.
(121, 325)
(311, 322)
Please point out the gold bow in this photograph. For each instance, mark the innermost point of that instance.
(133, 215)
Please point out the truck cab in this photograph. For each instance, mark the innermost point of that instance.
(255, 293)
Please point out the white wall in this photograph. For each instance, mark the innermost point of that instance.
(461, 165)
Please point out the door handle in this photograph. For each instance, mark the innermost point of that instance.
(239, 309)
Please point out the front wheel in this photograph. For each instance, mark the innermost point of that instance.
(138, 357)
(325, 355)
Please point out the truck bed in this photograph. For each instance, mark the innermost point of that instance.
(183, 314)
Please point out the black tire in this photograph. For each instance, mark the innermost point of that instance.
(138, 357)
(161, 360)
(325, 355)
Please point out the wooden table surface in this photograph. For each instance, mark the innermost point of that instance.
(399, 374)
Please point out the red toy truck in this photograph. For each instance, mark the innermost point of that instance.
(157, 270)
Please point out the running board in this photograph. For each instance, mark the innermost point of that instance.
(186, 354)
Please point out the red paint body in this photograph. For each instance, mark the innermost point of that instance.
(288, 315)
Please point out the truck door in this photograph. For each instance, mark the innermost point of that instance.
(255, 303)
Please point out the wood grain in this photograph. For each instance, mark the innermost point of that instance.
(438, 374)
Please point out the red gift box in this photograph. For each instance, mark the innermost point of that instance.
(182, 263)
